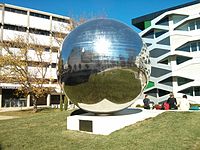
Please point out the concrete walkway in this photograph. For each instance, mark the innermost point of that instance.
(6, 109)
(7, 117)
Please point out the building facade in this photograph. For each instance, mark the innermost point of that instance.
(173, 39)
(39, 25)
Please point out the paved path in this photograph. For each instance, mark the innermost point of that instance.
(7, 117)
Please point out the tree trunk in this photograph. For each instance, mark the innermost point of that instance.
(65, 103)
(34, 104)
(61, 102)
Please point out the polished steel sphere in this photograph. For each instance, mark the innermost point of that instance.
(105, 66)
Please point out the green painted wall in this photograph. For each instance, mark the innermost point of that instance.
(147, 24)
(149, 85)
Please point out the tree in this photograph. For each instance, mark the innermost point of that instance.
(23, 63)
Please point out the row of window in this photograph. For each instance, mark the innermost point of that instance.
(175, 18)
(38, 31)
(16, 10)
(180, 81)
(154, 33)
(39, 15)
(32, 30)
(45, 64)
(32, 47)
(157, 92)
(19, 11)
(190, 25)
(190, 47)
(179, 60)
(60, 20)
(192, 91)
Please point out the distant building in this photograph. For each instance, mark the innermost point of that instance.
(43, 26)
(173, 39)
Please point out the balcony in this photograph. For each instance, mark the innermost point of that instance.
(39, 23)
(60, 27)
(12, 34)
(15, 19)
(39, 39)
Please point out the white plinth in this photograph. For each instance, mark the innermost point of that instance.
(105, 125)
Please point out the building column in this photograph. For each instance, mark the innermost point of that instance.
(48, 99)
(0, 97)
(28, 101)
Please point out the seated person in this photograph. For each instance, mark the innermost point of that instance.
(165, 106)
(146, 102)
(184, 103)
(172, 102)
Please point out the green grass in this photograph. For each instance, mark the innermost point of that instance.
(118, 86)
(47, 130)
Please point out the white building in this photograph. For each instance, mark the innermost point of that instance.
(39, 25)
(173, 39)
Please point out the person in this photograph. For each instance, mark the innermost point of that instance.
(172, 101)
(146, 102)
(184, 103)
(165, 106)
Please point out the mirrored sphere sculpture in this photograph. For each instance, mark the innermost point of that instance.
(105, 66)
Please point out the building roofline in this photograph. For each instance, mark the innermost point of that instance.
(139, 20)
(34, 10)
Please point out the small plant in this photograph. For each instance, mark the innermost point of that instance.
(140, 106)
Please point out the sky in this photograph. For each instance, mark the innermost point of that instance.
(121, 10)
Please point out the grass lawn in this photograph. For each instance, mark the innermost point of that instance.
(47, 130)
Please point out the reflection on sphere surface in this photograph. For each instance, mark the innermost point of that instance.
(105, 66)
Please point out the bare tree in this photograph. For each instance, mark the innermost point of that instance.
(24, 64)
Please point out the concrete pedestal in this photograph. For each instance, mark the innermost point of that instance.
(104, 124)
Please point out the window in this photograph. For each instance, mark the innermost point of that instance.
(61, 20)
(165, 41)
(47, 49)
(199, 46)
(16, 10)
(181, 81)
(197, 91)
(152, 92)
(59, 34)
(162, 92)
(198, 24)
(37, 31)
(158, 72)
(194, 46)
(39, 15)
(13, 27)
(53, 65)
(164, 21)
(185, 48)
(188, 91)
(192, 25)
(190, 46)
(181, 59)
(54, 49)
(157, 52)
(149, 34)
(164, 61)
(159, 32)
(177, 18)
